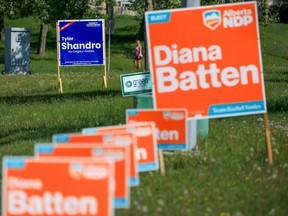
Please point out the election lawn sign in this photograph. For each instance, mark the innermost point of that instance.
(171, 126)
(207, 59)
(119, 153)
(107, 138)
(146, 151)
(136, 83)
(47, 186)
(81, 43)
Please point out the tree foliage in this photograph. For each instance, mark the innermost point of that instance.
(15, 9)
(265, 12)
(140, 5)
(49, 11)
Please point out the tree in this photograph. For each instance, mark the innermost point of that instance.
(2, 14)
(141, 6)
(48, 12)
(53, 10)
(2, 36)
(12, 9)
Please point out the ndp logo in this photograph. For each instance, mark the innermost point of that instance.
(212, 19)
(87, 171)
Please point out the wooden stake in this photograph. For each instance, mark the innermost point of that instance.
(268, 139)
(104, 55)
(60, 88)
(162, 163)
(104, 81)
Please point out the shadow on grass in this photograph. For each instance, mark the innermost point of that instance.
(276, 79)
(26, 134)
(40, 133)
(42, 58)
(278, 56)
(36, 133)
(280, 105)
(58, 97)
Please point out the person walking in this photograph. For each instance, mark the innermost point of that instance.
(138, 55)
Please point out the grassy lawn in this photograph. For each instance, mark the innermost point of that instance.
(229, 177)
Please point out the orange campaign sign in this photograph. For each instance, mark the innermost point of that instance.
(63, 187)
(146, 152)
(171, 125)
(119, 153)
(207, 59)
(117, 137)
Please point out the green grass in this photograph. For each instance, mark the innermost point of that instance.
(275, 52)
(230, 176)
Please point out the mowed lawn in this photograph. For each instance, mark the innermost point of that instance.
(229, 175)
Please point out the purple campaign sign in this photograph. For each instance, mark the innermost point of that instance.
(81, 42)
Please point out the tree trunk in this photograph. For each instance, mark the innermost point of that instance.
(84, 5)
(2, 34)
(42, 39)
(266, 12)
(149, 7)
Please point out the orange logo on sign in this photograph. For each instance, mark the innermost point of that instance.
(212, 19)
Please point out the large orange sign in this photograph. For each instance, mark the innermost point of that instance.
(119, 153)
(115, 137)
(146, 152)
(57, 187)
(207, 59)
(171, 125)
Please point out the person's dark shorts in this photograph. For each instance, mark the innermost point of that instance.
(136, 58)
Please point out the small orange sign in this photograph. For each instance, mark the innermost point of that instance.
(207, 59)
(117, 137)
(45, 187)
(121, 155)
(146, 152)
(171, 125)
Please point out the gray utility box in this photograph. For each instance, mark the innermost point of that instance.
(17, 50)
